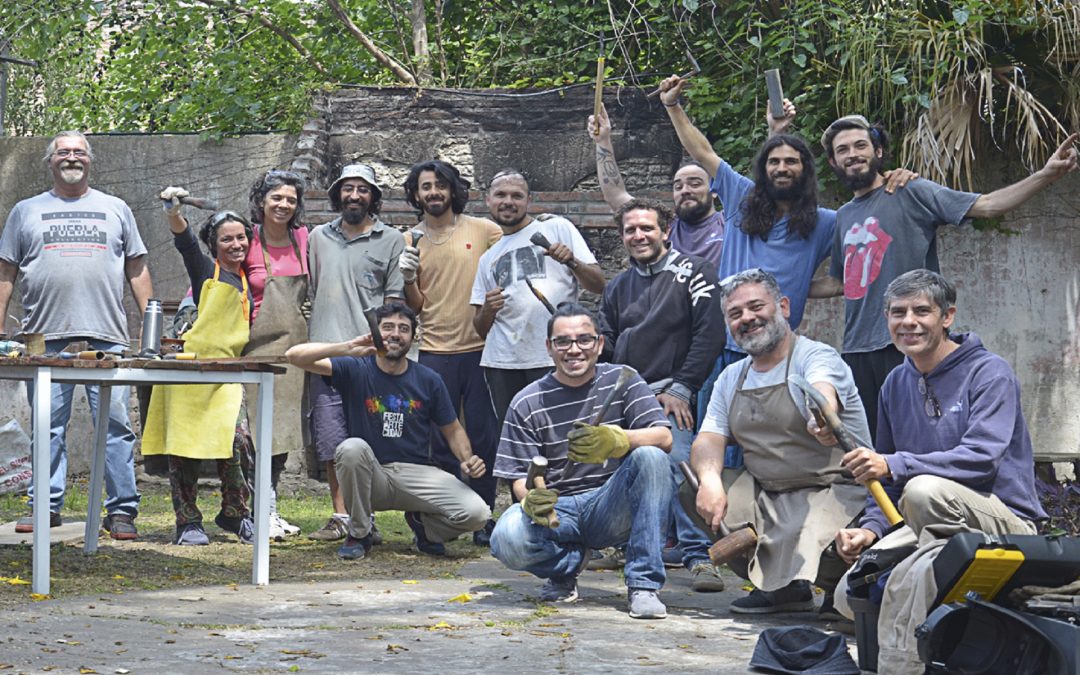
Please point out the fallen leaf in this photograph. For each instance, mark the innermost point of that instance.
(318, 566)
(118, 576)
(6, 666)
(230, 657)
(294, 669)
(441, 626)
(394, 649)
(15, 581)
(86, 671)
(410, 581)
(121, 671)
(565, 635)
(299, 652)
(462, 598)
(69, 642)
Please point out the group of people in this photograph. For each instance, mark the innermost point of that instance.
(696, 337)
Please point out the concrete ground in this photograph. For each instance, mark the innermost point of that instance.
(483, 621)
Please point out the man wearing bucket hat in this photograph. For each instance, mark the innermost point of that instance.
(353, 261)
(880, 236)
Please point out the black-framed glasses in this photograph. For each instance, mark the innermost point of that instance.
(931, 406)
(584, 342)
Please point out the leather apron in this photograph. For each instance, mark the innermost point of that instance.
(198, 421)
(792, 490)
(278, 326)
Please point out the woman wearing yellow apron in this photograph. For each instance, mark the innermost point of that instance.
(277, 272)
(188, 422)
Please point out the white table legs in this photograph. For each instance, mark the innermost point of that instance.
(42, 416)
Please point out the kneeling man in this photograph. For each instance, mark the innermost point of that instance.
(609, 484)
(792, 490)
(385, 464)
(952, 443)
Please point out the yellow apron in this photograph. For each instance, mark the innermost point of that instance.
(199, 420)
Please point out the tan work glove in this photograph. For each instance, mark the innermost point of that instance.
(595, 444)
(539, 505)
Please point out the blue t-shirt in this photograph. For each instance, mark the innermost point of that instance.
(790, 258)
(393, 413)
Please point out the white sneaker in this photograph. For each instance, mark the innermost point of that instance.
(281, 528)
(290, 529)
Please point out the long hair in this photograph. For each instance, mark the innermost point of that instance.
(459, 187)
(269, 182)
(759, 211)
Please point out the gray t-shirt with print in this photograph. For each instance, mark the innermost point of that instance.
(349, 276)
(879, 236)
(71, 255)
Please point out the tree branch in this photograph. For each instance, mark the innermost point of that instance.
(418, 19)
(382, 57)
(275, 29)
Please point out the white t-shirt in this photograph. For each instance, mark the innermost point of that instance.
(815, 362)
(516, 339)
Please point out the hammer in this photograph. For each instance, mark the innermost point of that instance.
(540, 240)
(534, 480)
(826, 416)
(732, 543)
(688, 74)
(198, 202)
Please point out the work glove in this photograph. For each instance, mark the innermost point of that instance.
(409, 263)
(539, 504)
(170, 199)
(595, 444)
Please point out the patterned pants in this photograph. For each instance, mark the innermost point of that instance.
(235, 473)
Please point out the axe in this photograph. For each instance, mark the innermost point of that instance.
(732, 543)
(534, 480)
(826, 417)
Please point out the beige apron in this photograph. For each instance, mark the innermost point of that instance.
(278, 326)
(792, 491)
(199, 420)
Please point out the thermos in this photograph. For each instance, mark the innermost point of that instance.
(150, 343)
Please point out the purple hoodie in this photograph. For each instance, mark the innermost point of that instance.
(980, 441)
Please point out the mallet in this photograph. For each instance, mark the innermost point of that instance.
(732, 543)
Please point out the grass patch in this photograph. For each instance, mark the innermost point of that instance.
(153, 562)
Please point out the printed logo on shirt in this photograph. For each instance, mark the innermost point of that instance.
(527, 262)
(864, 250)
(397, 404)
(392, 424)
(69, 233)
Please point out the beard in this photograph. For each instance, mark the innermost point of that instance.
(767, 340)
(72, 172)
(692, 211)
(784, 194)
(354, 216)
(862, 180)
(509, 222)
(436, 209)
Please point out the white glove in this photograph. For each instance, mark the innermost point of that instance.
(170, 199)
(409, 263)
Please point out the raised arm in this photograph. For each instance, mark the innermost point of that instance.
(607, 171)
(999, 202)
(314, 357)
(693, 141)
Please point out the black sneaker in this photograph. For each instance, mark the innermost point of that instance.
(423, 544)
(482, 537)
(25, 524)
(353, 548)
(243, 528)
(795, 597)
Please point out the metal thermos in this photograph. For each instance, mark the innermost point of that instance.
(150, 343)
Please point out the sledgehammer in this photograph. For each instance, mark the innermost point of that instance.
(826, 416)
(534, 479)
(732, 543)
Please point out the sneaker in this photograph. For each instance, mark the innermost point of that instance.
(706, 578)
(672, 556)
(191, 534)
(795, 597)
(645, 604)
(26, 523)
(243, 528)
(482, 537)
(353, 548)
(423, 544)
(611, 559)
(333, 530)
(559, 590)
(281, 528)
(121, 526)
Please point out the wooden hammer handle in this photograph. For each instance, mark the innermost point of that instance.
(553, 518)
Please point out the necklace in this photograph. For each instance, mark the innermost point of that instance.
(446, 236)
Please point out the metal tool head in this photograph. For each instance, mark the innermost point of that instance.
(693, 62)
(373, 326)
(540, 240)
(625, 373)
(416, 236)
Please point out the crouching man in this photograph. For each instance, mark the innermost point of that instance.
(952, 443)
(608, 484)
(385, 463)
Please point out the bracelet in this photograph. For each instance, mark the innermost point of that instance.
(671, 105)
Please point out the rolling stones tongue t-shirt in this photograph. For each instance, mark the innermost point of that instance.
(879, 237)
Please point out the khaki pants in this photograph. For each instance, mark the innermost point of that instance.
(934, 509)
(448, 507)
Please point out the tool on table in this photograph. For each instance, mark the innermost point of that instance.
(732, 543)
(826, 417)
(198, 202)
(539, 296)
(153, 317)
(540, 240)
(776, 93)
(376, 336)
(534, 480)
(695, 69)
(181, 356)
(598, 92)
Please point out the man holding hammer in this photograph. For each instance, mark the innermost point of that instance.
(606, 441)
(792, 492)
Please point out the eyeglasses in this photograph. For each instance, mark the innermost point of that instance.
(930, 402)
(77, 154)
(226, 216)
(584, 342)
(358, 189)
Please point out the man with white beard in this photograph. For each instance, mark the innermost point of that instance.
(74, 246)
(792, 490)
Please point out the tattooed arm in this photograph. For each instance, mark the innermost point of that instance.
(607, 171)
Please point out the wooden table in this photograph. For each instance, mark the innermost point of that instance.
(106, 374)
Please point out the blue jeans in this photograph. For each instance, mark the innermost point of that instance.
(733, 457)
(122, 496)
(464, 379)
(632, 508)
(693, 542)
